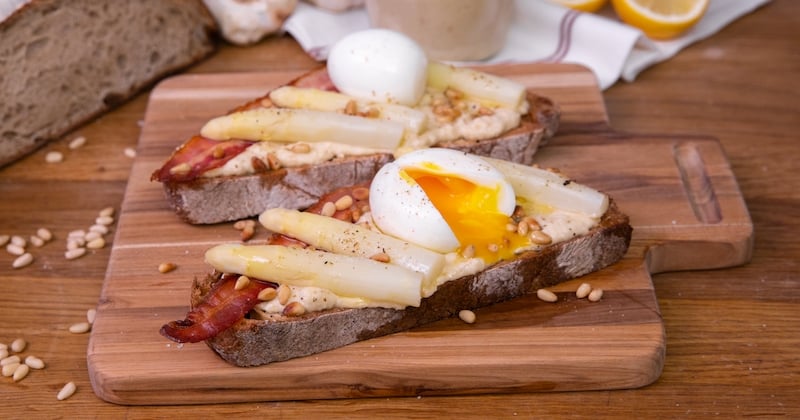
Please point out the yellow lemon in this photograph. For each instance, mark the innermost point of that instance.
(661, 19)
(582, 5)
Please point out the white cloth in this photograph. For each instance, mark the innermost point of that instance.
(545, 32)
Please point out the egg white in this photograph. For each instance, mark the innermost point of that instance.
(379, 65)
(402, 209)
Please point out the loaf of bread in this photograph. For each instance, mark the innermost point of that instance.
(63, 62)
(254, 342)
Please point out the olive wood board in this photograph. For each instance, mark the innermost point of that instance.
(681, 195)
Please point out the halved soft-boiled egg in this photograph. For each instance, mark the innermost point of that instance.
(447, 201)
(379, 65)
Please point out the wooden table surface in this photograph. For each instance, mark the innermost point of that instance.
(732, 334)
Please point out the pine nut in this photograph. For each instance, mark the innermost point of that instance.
(15, 249)
(54, 157)
(247, 233)
(66, 391)
(301, 148)
(34, 362)
(80, 328)
(328, 209)
(546, 295)
(267, 294)
(284, 294)
(45, 234)
(523, 228)
(344, 202)
(23, 260)
(104, 220)
(166, 267)
(180, 169)
(360, 193)
(78, 233)
(493, 248)
(540, 238)
(583, 290)
(8, 369)
(96, 243)
(129, 152)
(294, 309)
(596, 295)
(90, 236)
(21, 372)
(10, 360)
(91, 314)
(36, 241)
(381, 257)
(106, 212)
(19, 241)
(18, 345)
(241, 283)
(3, 352)
(468, 251)
(101, 229)
(77, 142)
(75, 253)
(467, 316)
(75, 243)
(4, 239)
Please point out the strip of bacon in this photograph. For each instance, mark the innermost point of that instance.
(224, 306)
(199, 155)
(221, 308)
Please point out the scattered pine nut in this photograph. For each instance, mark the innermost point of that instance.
(80, 328)
(241, 283)
(4, 239)
(19, 241)
(583, 290)
(328, 209)
(18, 345)
(129, 152)
(248, 232)
(3, 352)
(66, 391)
(75, 253)
(75, 243)
(23, 260)
(166, 267)
(91, 314)
(343, 203)
(546, 295)
(381, 257)
(8, 369)
(596, 295)
(45, 234)
(540, 238)
(284, 294)
(96, 243)
(34, 362)
(101, 229)
(104, 220)
(90, 236)
(106, 212)
(77, 142)
(77, 233)
(467, 316)
(14, 249)
(267, 294)
(54, 157)
(361, 193)
(10, 360)
(294, 309)
(36, 241)
(21, 372)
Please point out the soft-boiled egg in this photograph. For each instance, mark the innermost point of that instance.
(379, 65)
(447, 201)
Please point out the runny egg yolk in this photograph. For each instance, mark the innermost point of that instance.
(471, 211)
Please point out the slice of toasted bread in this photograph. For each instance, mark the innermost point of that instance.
(254, 342)
(197, 200)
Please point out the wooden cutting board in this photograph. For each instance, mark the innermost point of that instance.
(682, 198)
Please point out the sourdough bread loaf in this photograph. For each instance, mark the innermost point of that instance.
(254, 342)
(63, 62)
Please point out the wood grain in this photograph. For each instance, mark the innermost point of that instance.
(731, 334)
(522, 346)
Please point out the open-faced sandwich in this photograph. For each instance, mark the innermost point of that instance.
(377, 98)
(435, 232)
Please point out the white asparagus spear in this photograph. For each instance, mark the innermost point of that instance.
(484, 87)
(344, 275)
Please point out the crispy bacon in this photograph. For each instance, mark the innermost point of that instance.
(224, 306)
(221, 308)
(200, 154)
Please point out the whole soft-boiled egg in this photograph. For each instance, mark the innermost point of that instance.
(444, 200)
(379, 65)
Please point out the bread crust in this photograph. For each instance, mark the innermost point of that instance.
(254, 342)
(196, 201)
